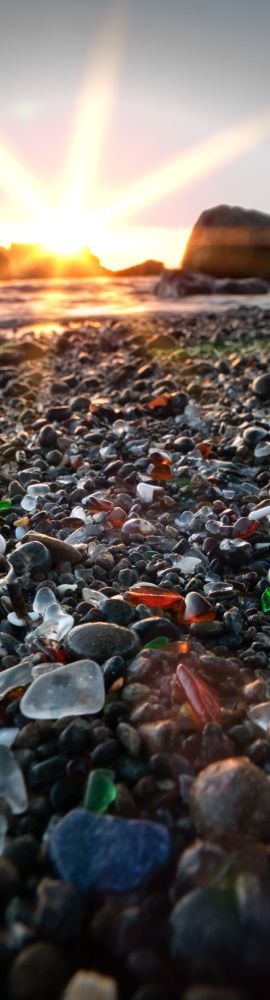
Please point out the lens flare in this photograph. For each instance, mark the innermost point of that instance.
(197, 162)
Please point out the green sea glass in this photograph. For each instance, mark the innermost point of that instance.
(5, 504)
(100, 792)
(157, 643)
(265, 600)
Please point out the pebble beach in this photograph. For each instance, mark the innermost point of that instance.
(134, 657)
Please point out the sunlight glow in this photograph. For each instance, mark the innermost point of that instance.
(66, 224)
(200, 160)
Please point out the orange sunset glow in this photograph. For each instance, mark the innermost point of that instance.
(76, 211)
(77, 207)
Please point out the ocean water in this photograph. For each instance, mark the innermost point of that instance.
(35, 301)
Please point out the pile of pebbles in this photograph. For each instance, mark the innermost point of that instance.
(135, 842)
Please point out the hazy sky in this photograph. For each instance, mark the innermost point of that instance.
(177, 71)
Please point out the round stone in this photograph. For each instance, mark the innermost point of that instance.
(48, 436)
(101, 640)
(261, 386)
(31, 556)
(231, 796)
(252, 435)
(37, 971)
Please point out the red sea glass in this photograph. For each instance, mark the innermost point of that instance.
(243, 528)
(159, 457)
(117, 517)
(160, 473)
(203, 700)
(159, 401)
(204, 448)
(195, 608)
(97, 503)
(153, 597)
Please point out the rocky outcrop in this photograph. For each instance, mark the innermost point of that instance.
(4, 264)
(179, 284)
(230, 242)
(146, 269)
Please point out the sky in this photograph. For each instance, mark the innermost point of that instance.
(121, 120)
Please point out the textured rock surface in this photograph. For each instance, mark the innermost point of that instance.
(101, 640)
(231, 796)
(230, 242)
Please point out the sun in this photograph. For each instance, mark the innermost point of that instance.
(77, 212)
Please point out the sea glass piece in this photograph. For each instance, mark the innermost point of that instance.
(12, 785)
(5, 504)
(157, 643)
(38, 489)
(256, 515)
(3, 545)
(97, 502)
(44, 668)
(159, 457)
(100, 792)
(79, 513)
(75, 689)
(205, 449)
(260, 714)
(8, 736)
(44, 597)
(20, 531)
(15, 620)
(153, 597)
(161, 400)
(265, 600)
(138, 526)
(149, 493)
(80, 534)
(17, 676)
(160, 473)
(196, 608)
(120, 427)
(53, 628)
(110, 854)
(183, 520)
(203, 700)
(117, 517)
(93, 596)
(29, 503)
(188, 564)
(244, 527)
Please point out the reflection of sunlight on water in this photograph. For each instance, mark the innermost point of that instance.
(54, 302)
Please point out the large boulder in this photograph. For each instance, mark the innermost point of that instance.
(230, 242)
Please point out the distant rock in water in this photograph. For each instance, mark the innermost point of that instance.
(230, 242)
(147, 269)
(180, 283)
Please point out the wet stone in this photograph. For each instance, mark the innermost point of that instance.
(261, 387)
(91, 986)
(231, 796)
(31, 556)
(101, 641)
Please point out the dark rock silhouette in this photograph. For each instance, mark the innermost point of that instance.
(146, 269)
(179, 283)
(230, 242)
(31, 261)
